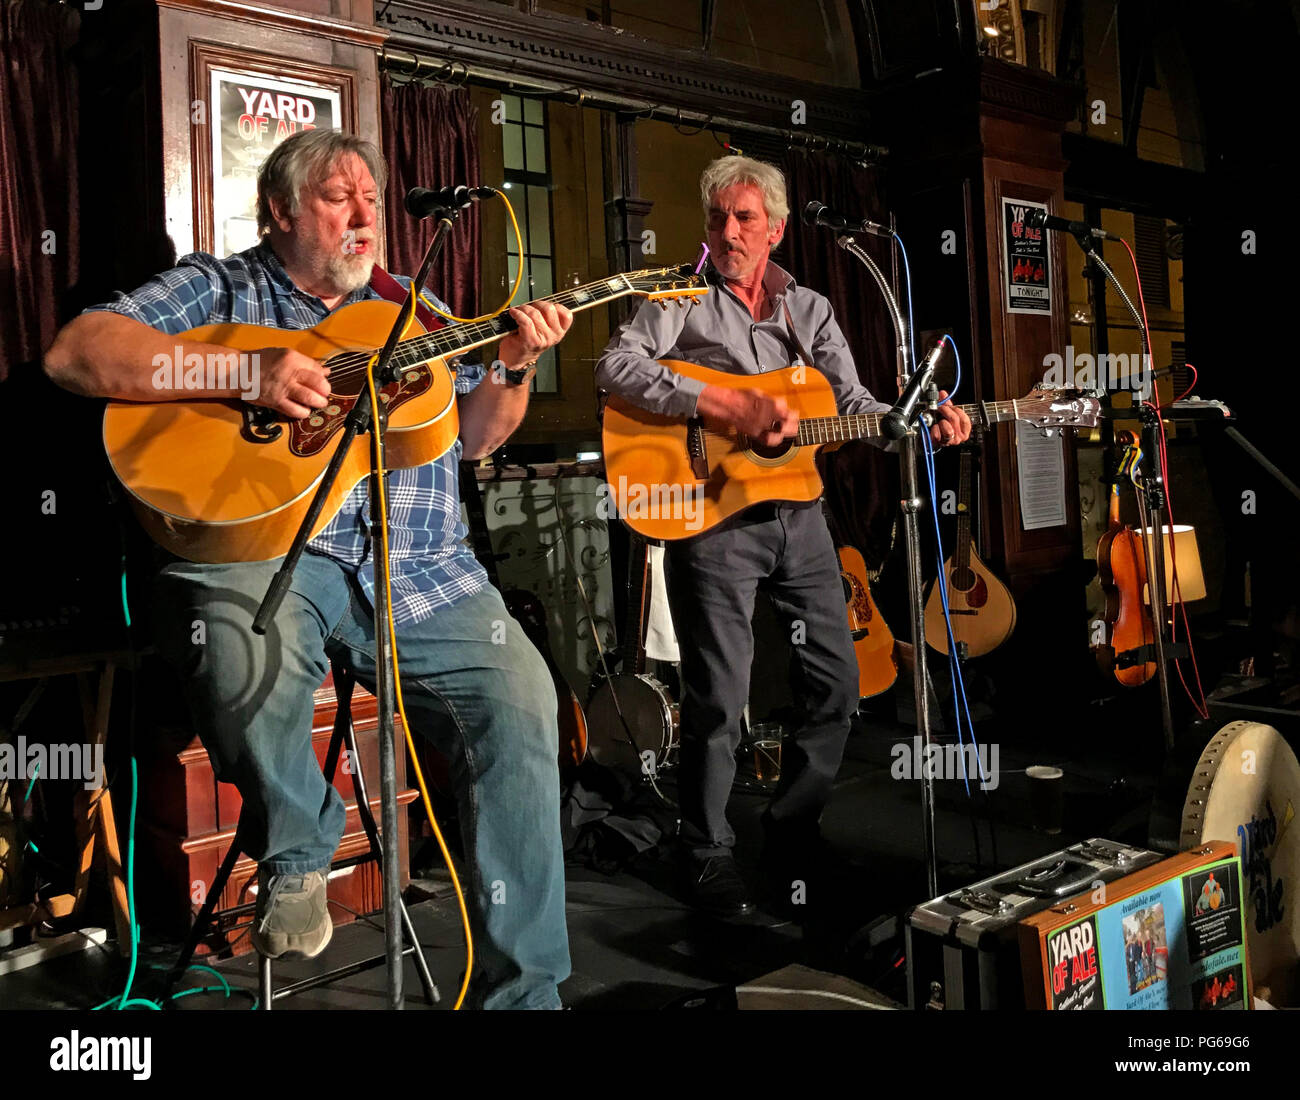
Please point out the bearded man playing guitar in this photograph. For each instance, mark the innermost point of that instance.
(756, 319)
(490, 708)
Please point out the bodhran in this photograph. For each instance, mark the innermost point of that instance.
(1246, 789)
(651, 717)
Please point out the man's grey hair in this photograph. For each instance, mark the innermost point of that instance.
(304, 159)
(726, 171)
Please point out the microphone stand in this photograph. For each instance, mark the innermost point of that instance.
(1152, 504)
(912, 504)
(358, 421)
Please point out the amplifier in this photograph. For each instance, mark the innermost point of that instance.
(963, 950)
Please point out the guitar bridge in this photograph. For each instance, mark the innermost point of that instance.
(696, 449)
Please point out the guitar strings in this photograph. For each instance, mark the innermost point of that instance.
(428, 346)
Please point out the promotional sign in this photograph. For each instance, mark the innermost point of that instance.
(1177, 943)
(1028, 272)
(251, 116)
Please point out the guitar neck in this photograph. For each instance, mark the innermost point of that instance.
(455, 339)
(839, 429)
(961, 555)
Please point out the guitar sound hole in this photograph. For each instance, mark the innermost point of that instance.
(963, 580)
(778, 451)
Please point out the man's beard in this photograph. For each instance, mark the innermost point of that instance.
(348, 272)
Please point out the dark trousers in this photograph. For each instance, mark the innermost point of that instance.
(712, 583)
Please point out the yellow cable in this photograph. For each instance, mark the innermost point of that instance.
(519, 277)
(397, 679)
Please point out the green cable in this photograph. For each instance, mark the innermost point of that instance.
(35, 771)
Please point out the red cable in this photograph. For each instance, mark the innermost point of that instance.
(1201, 708)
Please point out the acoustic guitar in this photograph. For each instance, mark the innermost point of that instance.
(226, 481)
(673, 478)
(873, 641)
(982, 609)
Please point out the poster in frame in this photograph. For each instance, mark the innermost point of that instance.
(251, 102)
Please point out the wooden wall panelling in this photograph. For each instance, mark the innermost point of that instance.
(294, 42)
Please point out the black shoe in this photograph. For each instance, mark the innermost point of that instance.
(716, 887)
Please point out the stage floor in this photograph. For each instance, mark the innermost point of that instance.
(636, 945)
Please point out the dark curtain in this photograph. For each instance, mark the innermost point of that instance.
(38, 174)
(861, 482)
(430, 140)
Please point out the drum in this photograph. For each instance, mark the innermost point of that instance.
(648, 742)
(1246, 789)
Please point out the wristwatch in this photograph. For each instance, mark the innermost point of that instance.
(522, 376)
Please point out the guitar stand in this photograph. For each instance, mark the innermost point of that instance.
(267, 993)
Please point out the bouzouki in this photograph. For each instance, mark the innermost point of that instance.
(225, 481)
(873, 641)
(672, 477)
(983, 612)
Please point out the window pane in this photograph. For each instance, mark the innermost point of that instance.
(539, 220)
(540, 273)
(513, 147)
(546, 380)
(512, 107)
(536, 141)
(533, 111)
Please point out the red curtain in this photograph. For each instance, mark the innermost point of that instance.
(38, 174)
(861, 481)
(430, 140)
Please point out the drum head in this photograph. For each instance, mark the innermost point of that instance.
(1246, 789)
(646, 710)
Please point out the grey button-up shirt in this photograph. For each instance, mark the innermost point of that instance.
(719, 332)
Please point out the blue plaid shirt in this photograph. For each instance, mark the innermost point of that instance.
(431, 566)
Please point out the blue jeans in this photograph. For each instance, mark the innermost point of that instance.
(474, 685)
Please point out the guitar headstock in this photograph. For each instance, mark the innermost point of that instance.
(1054, 409)
(667, 284)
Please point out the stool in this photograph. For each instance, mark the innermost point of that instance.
(267, 993)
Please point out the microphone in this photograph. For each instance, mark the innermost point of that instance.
(1038, 218)
(422, 201)
(818, 213)
(897, 422)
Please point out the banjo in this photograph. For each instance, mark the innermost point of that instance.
(632, 720)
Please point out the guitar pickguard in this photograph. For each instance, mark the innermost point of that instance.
(310, 434)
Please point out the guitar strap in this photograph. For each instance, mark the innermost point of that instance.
(794, 333)
(386, 286)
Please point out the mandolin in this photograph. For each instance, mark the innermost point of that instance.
(1122, 570)
(873, 641)
(225, 481)
(982, 610)
(672, 477)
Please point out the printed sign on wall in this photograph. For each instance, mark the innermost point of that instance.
(1028, 271)
(252, 115)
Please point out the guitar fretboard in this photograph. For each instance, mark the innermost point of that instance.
(840, 429)
(457, 338)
